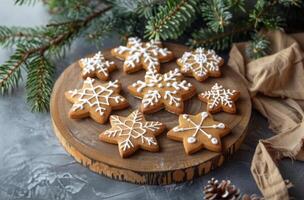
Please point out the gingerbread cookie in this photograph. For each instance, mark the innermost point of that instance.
(138, 55)
(96, 100)
(199, 131)
(96, 66)
(200, 64)
(219, 98)
(162, 90)
(132, 132)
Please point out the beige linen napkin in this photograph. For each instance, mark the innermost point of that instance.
(276, 86)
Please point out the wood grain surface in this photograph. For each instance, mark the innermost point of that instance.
(171, 164)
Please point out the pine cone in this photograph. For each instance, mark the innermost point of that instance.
(221, 191)
(251, 197)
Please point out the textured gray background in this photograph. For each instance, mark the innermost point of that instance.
(33, 165)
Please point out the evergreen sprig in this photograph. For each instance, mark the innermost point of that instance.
(216, 13)
(10, 71)
(288, 3)
(144, 8)
(258, 47)
(34, 49)
(10, 36)
(171, 19)
(70, 10)
(27, 2)
(232, 20)
(236, 5)
(99, 29)
(40, 76)
(219, 41)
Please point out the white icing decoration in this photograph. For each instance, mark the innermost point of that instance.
(136, 50)
(199, 128)
(221, 125)
(132, 128)
(96, 63)
(175, 129)
(166, 87)
(172, 99)
(204, 114)
(214, 141)
(96, 96)
(219, 95)
(151, 98)
(191, 140)
(200, 62)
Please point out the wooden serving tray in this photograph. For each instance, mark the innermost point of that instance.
(171, 164)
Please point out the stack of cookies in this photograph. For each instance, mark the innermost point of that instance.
(99, 96)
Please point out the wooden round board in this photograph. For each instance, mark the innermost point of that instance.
(171, 164)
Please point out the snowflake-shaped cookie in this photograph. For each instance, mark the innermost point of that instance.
(162, 90)
(96, 66)
(96, 100)
(132, 132)
(199, 131)
(200, 64)
(138, 55)
(219, 98)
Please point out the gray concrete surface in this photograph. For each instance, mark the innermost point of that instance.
(33, 165)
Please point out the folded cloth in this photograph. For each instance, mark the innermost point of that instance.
(276, 86)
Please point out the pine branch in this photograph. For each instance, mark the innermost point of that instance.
(74, 28)
(237, 4)
(217, 41)
(216, 13)
(15, 35)
(258, 47)
(39, 83)
(266, 14)
(73, 9)
(127, 26)
(25, 2)
(65, 23)
(130, 16)
(261, 12)
(171, 19)
(99, 30)
(10, 72)
(288, 3)
(146, 8)
(143, 8)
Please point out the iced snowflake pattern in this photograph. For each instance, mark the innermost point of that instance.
(132, 132)
(137, 53)
(97, 66)
(200, 64)
(199, 131)
(100, 97)
(218, 96)
(157, 89)
(199, 128)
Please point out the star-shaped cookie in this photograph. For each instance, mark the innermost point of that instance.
(219, 98)
(200, 64)
(96, 66)
(132, 132)
(162, 90)
(199, 131)
(138, 55)
(96, 100)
